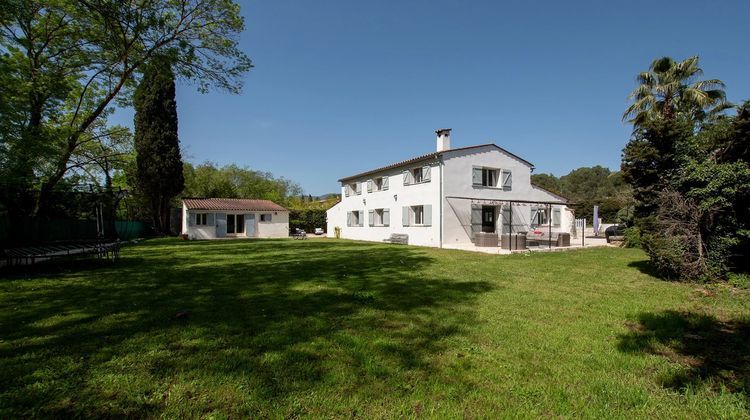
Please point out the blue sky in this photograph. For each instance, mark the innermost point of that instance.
(344, 86)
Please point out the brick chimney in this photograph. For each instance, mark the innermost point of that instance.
(443, 139)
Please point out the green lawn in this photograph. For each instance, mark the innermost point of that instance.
(281, 328)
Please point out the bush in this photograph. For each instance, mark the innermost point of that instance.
(632, 237)
(307, 219)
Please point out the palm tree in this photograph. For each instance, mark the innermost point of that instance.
(669, 89)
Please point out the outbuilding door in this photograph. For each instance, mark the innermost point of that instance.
(250, 225)
(221, 225)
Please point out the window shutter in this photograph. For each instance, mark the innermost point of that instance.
(405, 216)
(507, 180)
(407, 177)
(476, 175)
(191, 219)
(507, 224)
(476, 219)
(385, 183)
(427, 215)
(371, 217)
(556, 217)
(358, 187)
(426, 173)
(346, 190)
(534, 213)
(386, 217)
(348, 218)
(211, 219)
(369, 185)
(361, 218)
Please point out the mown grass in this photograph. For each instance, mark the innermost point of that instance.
(279, 328)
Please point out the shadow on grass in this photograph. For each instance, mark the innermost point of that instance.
(271, 316)
(645, 267)
(712, 352)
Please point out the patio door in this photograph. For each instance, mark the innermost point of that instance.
(235, 224)
(488, 219)
(221, 225)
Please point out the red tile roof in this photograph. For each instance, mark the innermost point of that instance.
(432, 156)
(241, 204)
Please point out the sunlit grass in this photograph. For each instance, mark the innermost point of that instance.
(281, 328)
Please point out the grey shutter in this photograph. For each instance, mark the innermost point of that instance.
(556, 217)
(211, 219)
(358, 188)
(476, 219)
(371, 217)
(407, 177)
(369, 185)
(427, 215)
(269, 217)
(507, 180)
(405, 216)
(476, 175)
(385, 183)
(361, 218)
(534, 213)
(346, 190)
(221, 225)
(426, 173)
(507, 224)
(191, 219)
(348, 218)
(386, 217)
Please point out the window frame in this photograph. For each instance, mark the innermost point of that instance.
(262, 217)
(418, 215)
(199, 216)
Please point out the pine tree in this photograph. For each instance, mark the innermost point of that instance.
(158, 160)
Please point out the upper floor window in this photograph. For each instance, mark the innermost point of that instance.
(492, 178)
(352, 188)
(377, 184)
(417, 175)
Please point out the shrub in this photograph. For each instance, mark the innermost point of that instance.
(632, 237)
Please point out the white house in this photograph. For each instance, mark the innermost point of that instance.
(211, 218)
(450, 198)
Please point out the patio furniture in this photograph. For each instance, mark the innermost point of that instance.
(398, 238)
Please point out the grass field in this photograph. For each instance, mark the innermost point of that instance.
(280, 328)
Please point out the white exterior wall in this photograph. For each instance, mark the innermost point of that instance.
(278, 227)
(458, 182)
(395, 198)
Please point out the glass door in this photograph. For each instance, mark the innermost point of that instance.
(230, 224)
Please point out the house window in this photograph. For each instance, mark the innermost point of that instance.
(489, 177)
(381, 184)
(418, 175)
(418, 215)
(201, 219)
(486, 177)
(266, 217)
(539, 217)
(379, 217)
(354, 218)
(352, 189)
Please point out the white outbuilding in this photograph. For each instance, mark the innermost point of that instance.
(212, 218)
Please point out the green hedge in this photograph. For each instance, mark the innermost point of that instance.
(307, 219)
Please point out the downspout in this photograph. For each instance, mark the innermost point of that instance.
(442, 217)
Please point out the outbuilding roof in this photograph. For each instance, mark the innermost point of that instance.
(435, 155)
(241, 204)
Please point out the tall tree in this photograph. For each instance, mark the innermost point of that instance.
(158, 159)
(66, 62)
(670, 89)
